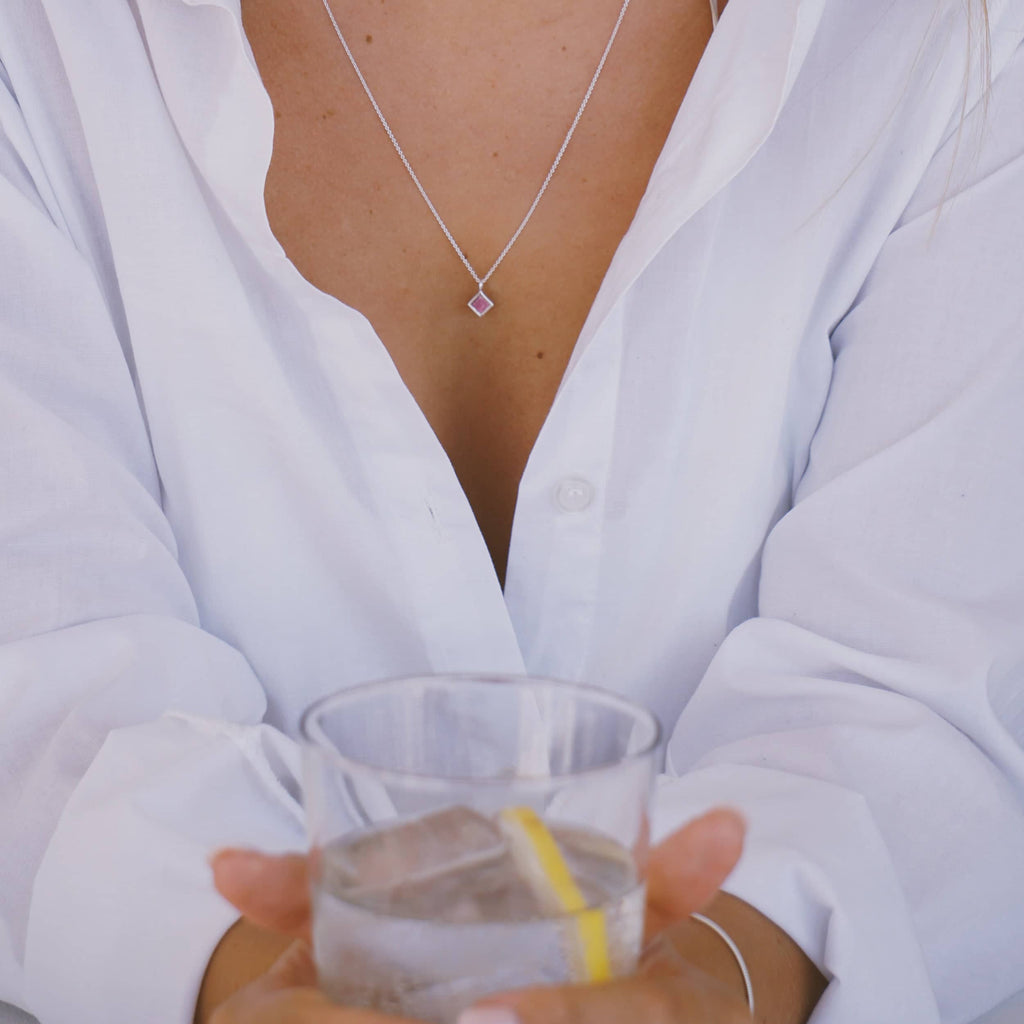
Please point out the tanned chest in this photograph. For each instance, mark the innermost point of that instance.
(479, 95)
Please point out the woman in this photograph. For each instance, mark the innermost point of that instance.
(750, 386)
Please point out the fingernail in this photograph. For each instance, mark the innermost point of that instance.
(488, 1015)
(239, 862)
(729, 825)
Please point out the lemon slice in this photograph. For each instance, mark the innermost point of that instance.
(542, 866)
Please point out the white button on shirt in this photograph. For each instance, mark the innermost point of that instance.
(786, 464)
(574, 495)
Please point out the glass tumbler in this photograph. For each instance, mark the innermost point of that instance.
(471, 834)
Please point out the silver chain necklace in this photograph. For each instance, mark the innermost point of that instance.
(481, 303)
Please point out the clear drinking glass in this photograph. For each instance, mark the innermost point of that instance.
(471, 834)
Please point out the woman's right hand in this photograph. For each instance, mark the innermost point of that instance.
(273, 895)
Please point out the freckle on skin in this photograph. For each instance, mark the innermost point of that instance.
(540, 355)
(369, 38)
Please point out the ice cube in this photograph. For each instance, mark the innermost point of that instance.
(395, 852)
(451, 865)
(467, 893)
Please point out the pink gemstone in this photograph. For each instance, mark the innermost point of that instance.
(480, 303)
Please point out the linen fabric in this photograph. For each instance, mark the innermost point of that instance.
(777, 498)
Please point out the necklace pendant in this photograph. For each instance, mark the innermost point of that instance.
(480, 303)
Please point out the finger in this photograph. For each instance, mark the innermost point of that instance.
(271, 891)
(286, 995)
(688, 995)
(687, 869)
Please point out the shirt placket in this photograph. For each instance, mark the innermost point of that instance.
(555, 561)
(554, 568)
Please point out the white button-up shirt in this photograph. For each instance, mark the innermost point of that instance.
(778, 497)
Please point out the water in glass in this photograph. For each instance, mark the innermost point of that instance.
(423, 917)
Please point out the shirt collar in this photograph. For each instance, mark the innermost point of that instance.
(730, 109)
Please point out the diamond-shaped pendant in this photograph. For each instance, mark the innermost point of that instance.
(480, 303)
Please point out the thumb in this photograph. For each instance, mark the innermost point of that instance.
(688, 867)
(271, 891)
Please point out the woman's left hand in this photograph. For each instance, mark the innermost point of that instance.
(684, 873)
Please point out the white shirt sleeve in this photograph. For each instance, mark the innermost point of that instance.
(104, 670)
(870, 721)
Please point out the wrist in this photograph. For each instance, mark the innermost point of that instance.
(244, 953)
(688, 944)
(748, 986)
(786, 985)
